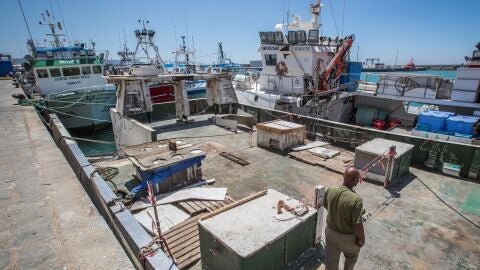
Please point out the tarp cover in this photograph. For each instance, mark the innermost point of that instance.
(163, 173)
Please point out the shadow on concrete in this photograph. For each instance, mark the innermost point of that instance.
(311, 259)
(178, 126)
(400, 184)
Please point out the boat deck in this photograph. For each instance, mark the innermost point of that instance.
(407, 226)
(48, 220)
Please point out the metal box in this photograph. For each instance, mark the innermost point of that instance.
(366, 153)
(280, 135)
(254, 236)
(162, 169)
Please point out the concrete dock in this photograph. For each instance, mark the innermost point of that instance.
(48, 220)
(407, 226)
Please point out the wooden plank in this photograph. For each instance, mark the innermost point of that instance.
(201, 205)
(189, 259)
(239, 202)
(172, 233)
(194, 252)
(193, 238)
(186, 207)
(188, 249)
(217, 204)
(183, 238)
(182, 226)
(220, 204)
(234, 158)
(194, 206)
(210, 205)
(179, 236)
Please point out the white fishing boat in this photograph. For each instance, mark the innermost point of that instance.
(301, 68)
(70, 80)
(309, 74)
(147, 61)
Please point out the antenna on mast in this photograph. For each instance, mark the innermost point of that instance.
(49, 20)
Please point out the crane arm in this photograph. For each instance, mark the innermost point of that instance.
(336, 64)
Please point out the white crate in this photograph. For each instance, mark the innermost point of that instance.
(463, 96)
(366, 153)
(466, 84)
(468, 73)
(280, 135)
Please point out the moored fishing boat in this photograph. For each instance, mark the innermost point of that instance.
(70, 80)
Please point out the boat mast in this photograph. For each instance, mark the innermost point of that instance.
(315, 10)
(48, 20)
(221, 54)
(145, 41)
(184, 50)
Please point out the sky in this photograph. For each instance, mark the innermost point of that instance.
(429, 31)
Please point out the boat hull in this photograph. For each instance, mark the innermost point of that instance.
(87, 110)
(166, 92)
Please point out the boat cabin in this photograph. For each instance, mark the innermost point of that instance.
(64, 68)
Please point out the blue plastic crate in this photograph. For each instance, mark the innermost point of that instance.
(461, 124)
(435, 120)
(422, 127)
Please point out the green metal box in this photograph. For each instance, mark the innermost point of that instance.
(368, 155)
(254, 236)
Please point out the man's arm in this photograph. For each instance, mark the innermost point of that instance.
(359, 234)
(324, 201)
(358, 223)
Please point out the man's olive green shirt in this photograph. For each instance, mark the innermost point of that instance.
(344, 209)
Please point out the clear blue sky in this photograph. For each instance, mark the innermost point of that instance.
(430, 31)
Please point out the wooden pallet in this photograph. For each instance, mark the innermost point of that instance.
(337, 164)
(182, 238)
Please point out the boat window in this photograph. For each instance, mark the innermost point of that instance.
(71, 71)
(278, 37)
(263, 37)
(55, 72)
(313, 36)
(42, 73)
(97, 69)
(86, 70)
(301, 36)
(271, 37)
(292, 37)
(270, 59)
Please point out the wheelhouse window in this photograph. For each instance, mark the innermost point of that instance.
(270, 59)
(42, 73)
(71, 71)
(55, 72)
(97, 69)
(86, 70)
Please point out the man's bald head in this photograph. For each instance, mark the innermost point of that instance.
(350, 177)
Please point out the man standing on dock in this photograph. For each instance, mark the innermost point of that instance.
(344, 231)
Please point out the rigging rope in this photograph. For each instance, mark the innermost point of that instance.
(28, 102)
(71, 105)
(333, 15)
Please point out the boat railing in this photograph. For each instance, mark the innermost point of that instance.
(294, 86)
(407, 85)
(72, 91)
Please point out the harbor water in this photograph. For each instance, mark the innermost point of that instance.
(103, 141)
(372, 77)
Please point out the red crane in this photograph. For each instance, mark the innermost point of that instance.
(335, 67)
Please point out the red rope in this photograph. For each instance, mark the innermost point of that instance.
(389, 154)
